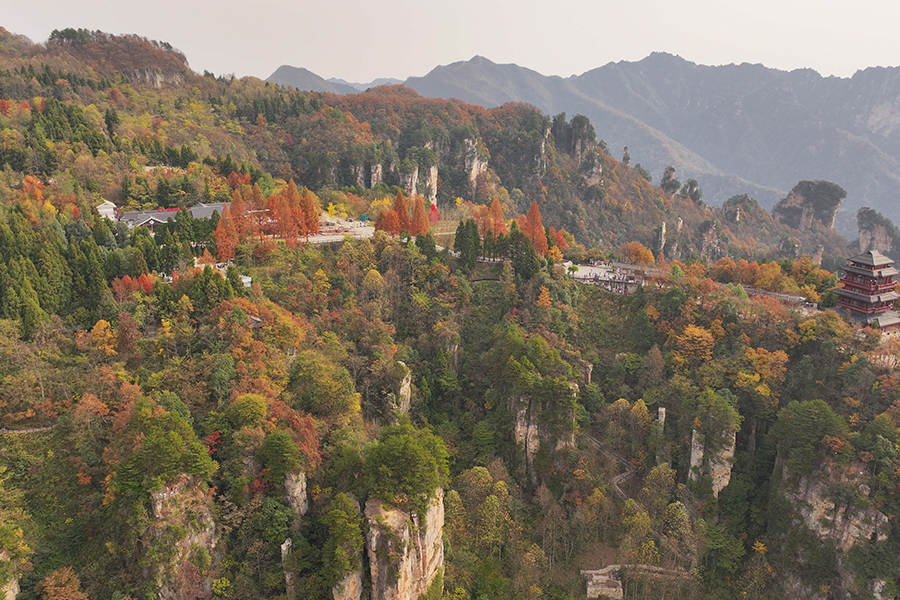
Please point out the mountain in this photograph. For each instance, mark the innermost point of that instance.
(304, 79)
(361, 87)
(736, 128)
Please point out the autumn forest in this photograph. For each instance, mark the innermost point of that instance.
(380, 371)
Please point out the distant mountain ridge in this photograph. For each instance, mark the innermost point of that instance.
(364, 86)
(735, 128)
(304, 79)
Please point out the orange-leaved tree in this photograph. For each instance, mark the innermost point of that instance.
(533, 228)
(497, 223)
(309, 206)
(420, 224)
(226, 236)
(402, 210)
(636, 252)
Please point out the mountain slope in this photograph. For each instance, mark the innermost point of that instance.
(361, 87)
(304, 79)
(736, 128)
(483, 82)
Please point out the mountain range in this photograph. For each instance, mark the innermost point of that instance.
(735, 128)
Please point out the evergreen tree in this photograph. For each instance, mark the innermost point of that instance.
(520, 252)
(467, 245)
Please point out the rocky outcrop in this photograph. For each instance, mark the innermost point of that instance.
(717, 465)
(431, 184)
(404, 393)
(376, 174)
(876, 232)
(405, 553)
(182, 506)
(476, 161)
(842, 519)
(591, 169)
(359, 174)
(295, 492)
(10, 590)
(349, 588)
(808, 203)
(526, 433)
(290, 577)
(156, 77)
(844, 523)
(533, 428)
(409, 180)
(661, 239)
(712, 248)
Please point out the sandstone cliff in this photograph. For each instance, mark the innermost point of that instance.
(406, 553)
(808, 203)
(717, 465)
(184, 533)
(876, 232)
(833, 506)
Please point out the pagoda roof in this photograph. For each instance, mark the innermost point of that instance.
(887, 271)
(873, 258)
(888, 319)
(885, 297)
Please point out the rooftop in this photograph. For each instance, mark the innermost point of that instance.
(872, 258)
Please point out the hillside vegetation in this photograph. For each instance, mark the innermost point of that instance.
(382, 417)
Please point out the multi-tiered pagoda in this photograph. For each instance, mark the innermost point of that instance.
(868, 294)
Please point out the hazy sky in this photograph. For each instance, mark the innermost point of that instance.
(360, 40)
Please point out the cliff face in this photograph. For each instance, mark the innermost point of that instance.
(533, 427)
(182, 506)
(836, 520)
(715, 464)
(350, 587)
(295, 492)
(808, 203)
(876, 232)
(405, 554)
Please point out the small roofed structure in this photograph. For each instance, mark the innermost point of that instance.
(152, 218)
(867, 296)
(107, 209)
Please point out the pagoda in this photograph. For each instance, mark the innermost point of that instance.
(868, 291)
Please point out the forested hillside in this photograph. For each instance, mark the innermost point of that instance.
(387, 418)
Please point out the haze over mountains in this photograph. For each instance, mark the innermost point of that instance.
(735, 128)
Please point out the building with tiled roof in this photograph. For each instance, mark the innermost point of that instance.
(868, 295)
(152, 218)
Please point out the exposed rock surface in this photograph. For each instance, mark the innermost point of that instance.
(876, 232)
(295, 492)
(808, 203)
(476, 163)
(349, 588)
(182, 505)
(716, 464)
(531, 432)
(376, 174)
(405, 555)
(409, 181)
(290, 577)
(431, 184)
(11, 589)
(843, 524)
